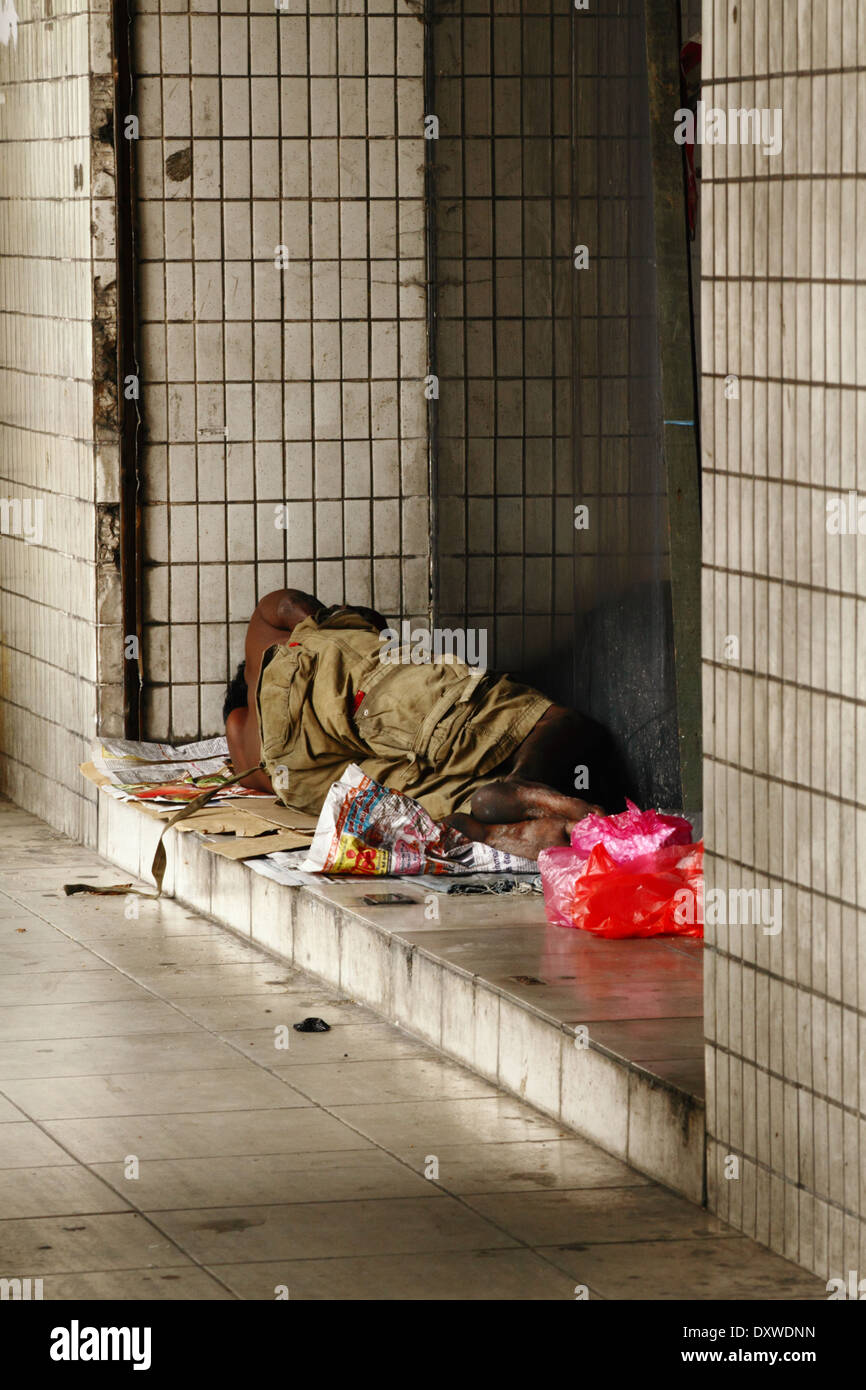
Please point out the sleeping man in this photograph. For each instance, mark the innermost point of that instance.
(320, 688)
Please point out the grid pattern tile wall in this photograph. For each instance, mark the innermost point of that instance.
(549, 387)
(624, 670)
(784, 413)
(503, 95)
(50, 477)
(283, 325)
(547, 362)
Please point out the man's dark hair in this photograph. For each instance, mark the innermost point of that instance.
(236, 692)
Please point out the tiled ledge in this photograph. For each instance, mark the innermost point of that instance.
(447, 982)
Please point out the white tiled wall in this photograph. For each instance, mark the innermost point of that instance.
(503, 95)
(49, 676)
(784, 267)
(293, 394)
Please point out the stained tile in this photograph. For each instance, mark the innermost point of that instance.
(277, 1009)
(354, 1042)
(389, 1226)
(416, 1127)
(23, 957)
(347, 1175)
(642, 1038)
(398, 1079)
(297, 1130)
(139, 954)
(24, 1145)
(161, 1093)
(508, 1275)
(8, 1112)
(599, 1214)
(48, 1191)
(130, 1285)
(67, 987)
(47, 1021)
(135, 1052)
(227, 978)
(732, 1268)
(542, 1165)
(56, 1244)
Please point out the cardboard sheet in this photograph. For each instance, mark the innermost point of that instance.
(245, 847)
(284, 816)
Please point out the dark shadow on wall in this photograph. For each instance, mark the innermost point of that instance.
(619, 670)
(624, 677)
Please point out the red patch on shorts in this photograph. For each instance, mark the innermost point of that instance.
(359, 700)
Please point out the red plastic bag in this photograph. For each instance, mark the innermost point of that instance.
(656, 894)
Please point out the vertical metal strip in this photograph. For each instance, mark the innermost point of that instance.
(129, 413)
(432, 309)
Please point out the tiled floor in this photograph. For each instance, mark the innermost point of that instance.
(155, 1143)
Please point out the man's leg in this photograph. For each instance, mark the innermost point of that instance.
(513, 799)
(529, 807)
(521, 837)
(539, 780)
(562, 743)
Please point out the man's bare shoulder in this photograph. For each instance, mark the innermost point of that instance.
(283, 609)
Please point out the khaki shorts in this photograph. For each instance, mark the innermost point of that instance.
(435, 730)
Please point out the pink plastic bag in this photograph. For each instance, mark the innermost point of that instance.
(629, 835)
(633, 874)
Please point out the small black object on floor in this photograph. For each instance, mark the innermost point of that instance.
(312, 1025)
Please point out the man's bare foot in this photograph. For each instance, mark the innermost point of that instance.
(516, 799)
(524, 837)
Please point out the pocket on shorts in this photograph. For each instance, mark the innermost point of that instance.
(405, 704)
(283, 691)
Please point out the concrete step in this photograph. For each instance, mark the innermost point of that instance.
(612, 1048)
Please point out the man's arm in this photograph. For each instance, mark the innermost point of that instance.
(274, 618)
(245, 749)
(284, 608)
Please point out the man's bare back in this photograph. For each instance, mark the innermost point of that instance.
(273, 622)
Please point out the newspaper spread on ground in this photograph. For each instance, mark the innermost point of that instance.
(163, 772)
(365, 828)
(283, 867)
(125, 762)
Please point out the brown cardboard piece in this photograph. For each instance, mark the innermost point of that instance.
(253, 847)
(244, 816)
(289, 819)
